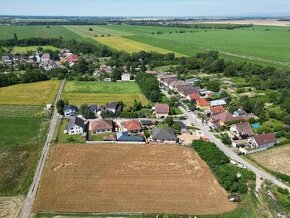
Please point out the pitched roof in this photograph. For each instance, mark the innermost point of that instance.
(202, 102)
(163, 134)
(225, 117)
(187, 89)
(132, 125)
(162, 108)
(125, 137)
(218, 102)
(266, 138)
(101, 124)
(217, 109)
(76, 121)
(194, 96)
(245, 129)
(112, 105)
(70, 107)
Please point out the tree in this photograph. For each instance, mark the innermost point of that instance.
(84, 110)
(59, 106)
(169, 121)
(15, 36)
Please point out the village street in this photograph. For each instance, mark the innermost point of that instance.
(192, 118)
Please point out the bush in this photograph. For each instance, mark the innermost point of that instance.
(283, 191)
(225, 173)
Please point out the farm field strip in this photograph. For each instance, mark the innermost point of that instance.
(7, 32)
(122, 178)
(38, 93)
(128, 45)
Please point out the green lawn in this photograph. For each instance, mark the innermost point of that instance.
(23, 130)
(23, 50)
(79, 92)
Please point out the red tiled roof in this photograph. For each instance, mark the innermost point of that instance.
(72, 58)
(266, 138)
(101, 124)
(225, 117)
(202, 102)
(244, 128)
(217, 109)
(162, 109)
(194, 96)
(132, 125)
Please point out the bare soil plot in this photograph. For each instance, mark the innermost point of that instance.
(10, 206)
(129, 178)
(276, 159)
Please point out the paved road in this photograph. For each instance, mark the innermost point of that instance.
(192, 118)
(29, 200)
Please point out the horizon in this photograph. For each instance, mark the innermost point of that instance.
(150, 8)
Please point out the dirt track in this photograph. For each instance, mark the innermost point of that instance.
(129, 178)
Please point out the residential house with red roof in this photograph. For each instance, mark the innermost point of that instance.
(161, 110)
(224, 119)
(202, 104)
(193, 97)
(131, 126)
(101, 125)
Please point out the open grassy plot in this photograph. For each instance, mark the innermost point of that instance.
(121, 178)
(23, 50)
(276, 159)
(38, 93)
(78, 92)
(7, 32)
(23, 130)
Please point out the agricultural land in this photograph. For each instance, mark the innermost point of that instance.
(79, 92)
(276, 159)
(122, 178)
(38, 93)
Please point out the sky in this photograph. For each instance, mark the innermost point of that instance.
(144, 7)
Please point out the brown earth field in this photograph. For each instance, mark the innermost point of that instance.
(276, 159)
(129, 178)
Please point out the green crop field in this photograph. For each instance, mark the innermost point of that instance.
(78, 92)
(7, 32)
(258, 44)
(23, 130)
(38, 93)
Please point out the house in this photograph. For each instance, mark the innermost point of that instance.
(76, 125)
(148, 123)
(132, 126)
(162, 77)
(168, 81)
(164, 135)
(223, 119)
(220, 102)
(161, 110)
(113, 107)
(70, 110)
(202, 104)
(101, 125)
(173, 84)
(240, 113)
(262, 141)
(186, 89)
(193, 97)
(125, 77)
(93, 108)
(45, 57)
(242, 130)
(216, 110)
(6, 60)
(125, 137)
(106, 68)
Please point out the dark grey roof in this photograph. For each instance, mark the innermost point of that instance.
(146, 122)
(112, 105)
(70, 107)
(181, 124)
(125, 137)
(76, 121)
(93, 107)
(163, 134)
